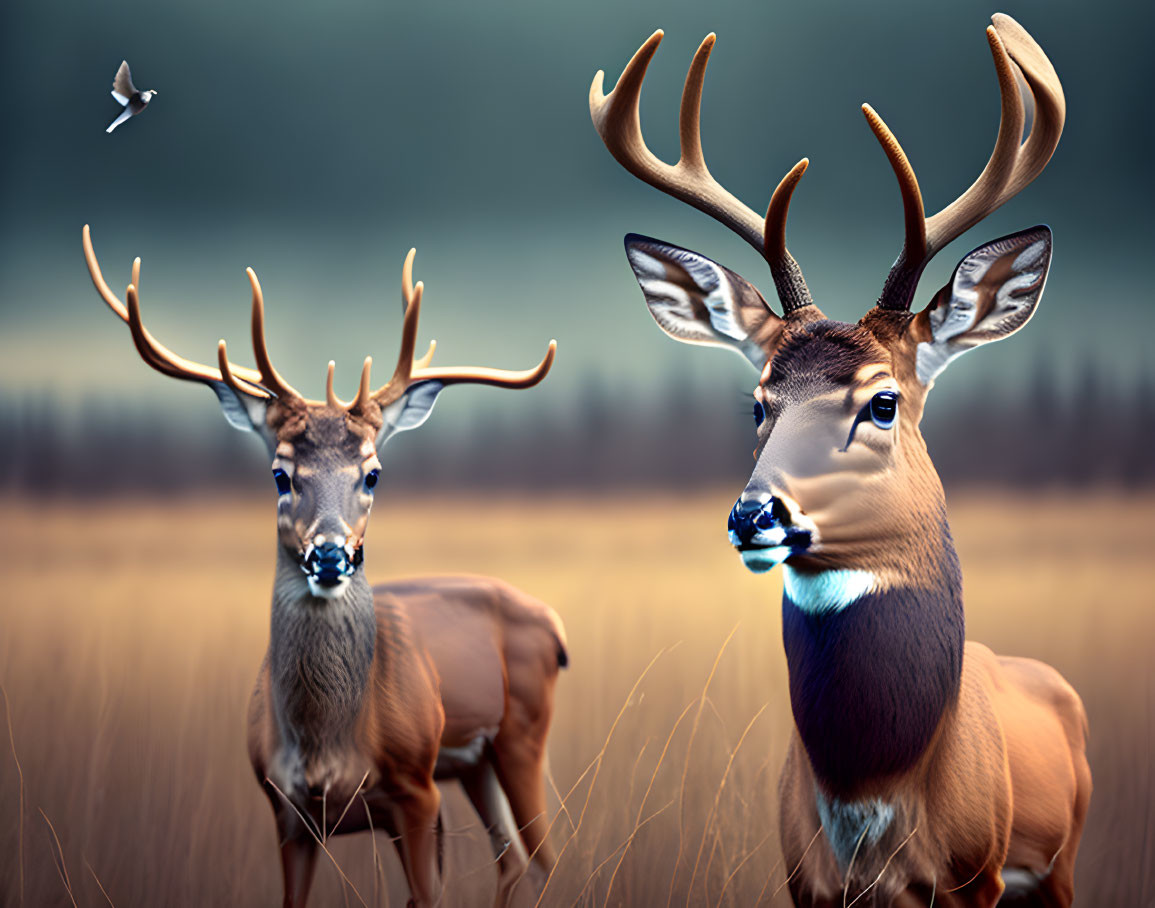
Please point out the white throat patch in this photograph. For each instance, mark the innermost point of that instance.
(852, 824)
(827, 591)
(328, 592)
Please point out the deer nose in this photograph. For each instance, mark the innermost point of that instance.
(328, 564)
(751, 516)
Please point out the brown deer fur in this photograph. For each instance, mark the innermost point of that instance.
(923, 769)
(367, 696)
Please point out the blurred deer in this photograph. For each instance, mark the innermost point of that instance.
(923, 768)
(367, 695)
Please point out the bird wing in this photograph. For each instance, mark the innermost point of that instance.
(120, 99)
(122, 84)
(124, 115)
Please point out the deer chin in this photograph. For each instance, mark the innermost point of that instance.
(761, 560)
(327, 590)
(771, 547)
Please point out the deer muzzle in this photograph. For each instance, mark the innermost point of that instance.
(329, 566)
(767, 529)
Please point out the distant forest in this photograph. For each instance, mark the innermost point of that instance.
(1095, 434)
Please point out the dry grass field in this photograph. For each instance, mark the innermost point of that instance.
(130, 634)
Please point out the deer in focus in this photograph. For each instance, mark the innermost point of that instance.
(923, 768)
(369, 695)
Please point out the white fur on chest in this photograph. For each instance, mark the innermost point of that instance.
(827, 591)
(334, 777)
(852, 825)
(325, 791)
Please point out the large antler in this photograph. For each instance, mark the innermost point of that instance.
(409, 371)
(617, 119)
(263, 382)
(1013, 164)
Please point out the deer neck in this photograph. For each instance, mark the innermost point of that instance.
(321, 652)
(874, 667)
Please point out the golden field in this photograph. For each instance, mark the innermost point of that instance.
(130, 634)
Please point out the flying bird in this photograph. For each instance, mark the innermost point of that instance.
(130, 99)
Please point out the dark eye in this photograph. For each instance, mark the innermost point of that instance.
(759, 413)
(884, 409)
(281, 478)
(371, 479)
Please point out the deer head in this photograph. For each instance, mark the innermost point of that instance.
(842, 476)
(324, 453)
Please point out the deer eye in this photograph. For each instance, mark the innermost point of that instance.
(759, 413)
(884, 409)
(371, 480)
(284, 484)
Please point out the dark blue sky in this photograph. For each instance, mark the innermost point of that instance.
(317, 142)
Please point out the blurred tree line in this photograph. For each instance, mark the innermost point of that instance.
(1081, 432)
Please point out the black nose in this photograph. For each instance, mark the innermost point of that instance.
(328, 564)
(750, 516)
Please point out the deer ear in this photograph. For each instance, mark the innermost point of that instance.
(409, 411)
(242, 412)
(697, 301)
(993, 292)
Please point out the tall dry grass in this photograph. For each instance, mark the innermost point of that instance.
(130, 634)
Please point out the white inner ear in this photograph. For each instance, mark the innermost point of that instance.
(244, 413)
(954, 326)
(673, 305)
(409, 411)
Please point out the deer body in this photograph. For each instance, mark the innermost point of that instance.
(367, 696)
(360, 706)
(902, 728)
(923, 768)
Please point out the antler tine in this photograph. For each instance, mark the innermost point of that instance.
(1012, 165)
(903, 277)
(690, 108)
(407, 279)
(227, 376)
(152, 351)
(410, 370)
(788, 280)
(269, 376)
(1046, 91)
(364, 389)
(364, 392)
(400, 380)
(989, 191)
(98, 278)
(617, 118)
(179, 367)
(480, 375)
(141, 341)
(406, 297)
(330, 396)
(424, 362)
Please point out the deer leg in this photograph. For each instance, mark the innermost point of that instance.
(298, 850)
(984, 891)
(1059, 884)
(298, 861)
(489, 801)
(1057, 888)
(520, 764)
(520, 760)
(417, 813)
